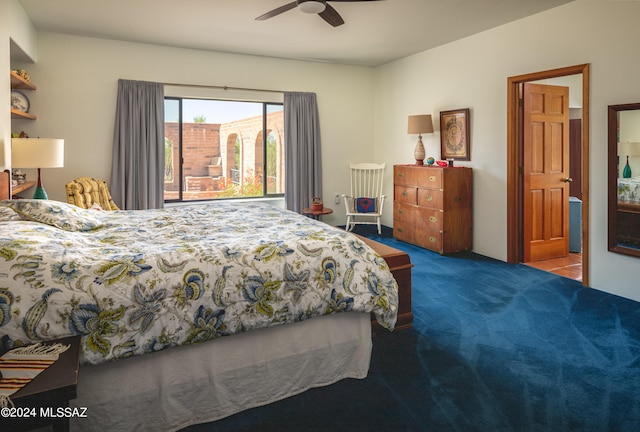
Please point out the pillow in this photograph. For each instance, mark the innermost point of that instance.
(365, 205)
(7, 214)
(55, 213)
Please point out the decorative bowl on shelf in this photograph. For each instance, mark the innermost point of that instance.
(19, 101)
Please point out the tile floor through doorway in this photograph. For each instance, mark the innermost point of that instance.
(569, 266)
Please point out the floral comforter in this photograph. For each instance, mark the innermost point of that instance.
(629, 190)
(135, 282)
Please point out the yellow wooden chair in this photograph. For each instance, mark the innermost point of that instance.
(86, 191)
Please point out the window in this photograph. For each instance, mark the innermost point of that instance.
(219, 149)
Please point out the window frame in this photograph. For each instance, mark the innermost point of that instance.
(265, 104)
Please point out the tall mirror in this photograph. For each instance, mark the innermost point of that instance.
(624, 179)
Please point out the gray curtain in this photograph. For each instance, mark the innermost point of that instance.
(137, 170)
(302, 150)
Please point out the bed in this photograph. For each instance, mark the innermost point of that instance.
(629, 191)
(194, 313)
(628, 212)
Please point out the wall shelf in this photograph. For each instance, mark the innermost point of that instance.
(17, 82)
(15, 114)
(22, 187)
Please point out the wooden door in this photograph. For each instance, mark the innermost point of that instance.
(545, 196)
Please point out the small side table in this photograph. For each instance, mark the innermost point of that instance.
(315, 214)
(53, 388)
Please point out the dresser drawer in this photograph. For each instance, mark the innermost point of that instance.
(405, 194)
(428, 218)
(428, 238)
(431, 198)
(421, 236)
(421, 176)
(404, 231)
(430, 178)
(405, 175)
(405, 212)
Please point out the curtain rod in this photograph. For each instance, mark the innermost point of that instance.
(223, 87)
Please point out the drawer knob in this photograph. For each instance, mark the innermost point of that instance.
(430, 198)
(404, 194)
(432, 239)
(400, 212)
(399, 229)
(400, 175)
(433, 219)
(432, 178)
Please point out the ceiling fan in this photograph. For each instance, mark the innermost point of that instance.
(320, 7)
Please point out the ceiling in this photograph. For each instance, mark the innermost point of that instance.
(375, 32)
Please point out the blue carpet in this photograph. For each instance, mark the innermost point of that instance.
(495, 347)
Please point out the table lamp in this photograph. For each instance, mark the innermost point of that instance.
(628, 149)
(37, 153)
(419, 124)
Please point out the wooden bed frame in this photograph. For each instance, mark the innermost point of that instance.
(400, 265)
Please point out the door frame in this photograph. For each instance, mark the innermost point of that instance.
(514, 196)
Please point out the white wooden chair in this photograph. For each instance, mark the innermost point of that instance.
(365, 201)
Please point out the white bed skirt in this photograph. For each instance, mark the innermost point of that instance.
(182, 386)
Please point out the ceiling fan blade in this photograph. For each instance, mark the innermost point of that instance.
(277, 11)
(330, 15)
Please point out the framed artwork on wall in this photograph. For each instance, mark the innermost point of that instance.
(454, 134)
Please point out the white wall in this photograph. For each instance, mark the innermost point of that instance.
(5, 116)
(19, 36)
(473, 73)
(77, 84)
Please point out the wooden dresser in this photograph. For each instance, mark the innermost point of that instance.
(432, 207)
(628, 224)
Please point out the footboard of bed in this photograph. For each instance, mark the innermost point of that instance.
(400, 265)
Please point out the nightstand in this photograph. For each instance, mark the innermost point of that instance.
(50, 390)
(315, 214)
(21, 188)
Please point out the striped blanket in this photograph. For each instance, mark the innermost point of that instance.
(21, 365)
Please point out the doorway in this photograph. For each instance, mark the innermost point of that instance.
(514, 151)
